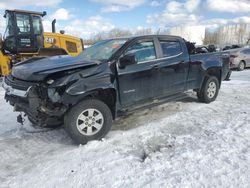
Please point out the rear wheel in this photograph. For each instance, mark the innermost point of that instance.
(209, 90)
(88, 120)
(241, 66)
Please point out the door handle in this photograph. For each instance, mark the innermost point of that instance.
(155, 67)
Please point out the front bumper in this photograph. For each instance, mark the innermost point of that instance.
(15, 92)
(32, 101)
(17, 96)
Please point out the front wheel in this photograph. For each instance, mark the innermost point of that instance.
(209, 90)
(89, 120)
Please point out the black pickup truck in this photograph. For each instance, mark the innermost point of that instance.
(86, 93)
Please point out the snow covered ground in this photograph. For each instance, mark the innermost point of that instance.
(178, 144)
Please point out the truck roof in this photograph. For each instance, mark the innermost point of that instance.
(145, 36)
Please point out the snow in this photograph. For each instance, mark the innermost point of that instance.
(178, 144)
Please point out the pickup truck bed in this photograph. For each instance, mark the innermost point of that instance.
(211, 58)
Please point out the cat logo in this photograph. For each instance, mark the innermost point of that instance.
(50, 40)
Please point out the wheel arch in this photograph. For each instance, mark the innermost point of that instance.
(213, 71)
(107, 95)
(243, 62)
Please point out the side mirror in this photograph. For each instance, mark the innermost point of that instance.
(126, 60)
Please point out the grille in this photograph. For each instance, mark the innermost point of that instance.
(18, 84)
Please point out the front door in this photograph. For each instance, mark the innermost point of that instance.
(136, 82)
(25, 42)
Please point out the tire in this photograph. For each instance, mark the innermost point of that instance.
(88, 120)
(209, 90)
(241, 66)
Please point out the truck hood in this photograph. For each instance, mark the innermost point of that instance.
(37, 69)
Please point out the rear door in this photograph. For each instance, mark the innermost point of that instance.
(172, 66)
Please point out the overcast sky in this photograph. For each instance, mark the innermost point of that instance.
(85, 18)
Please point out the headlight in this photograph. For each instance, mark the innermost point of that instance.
(53, 95)
(50, 81)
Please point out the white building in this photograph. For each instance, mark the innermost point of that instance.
(191, 33)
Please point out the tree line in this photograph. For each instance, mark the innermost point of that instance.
(114, 33)
(231, 34)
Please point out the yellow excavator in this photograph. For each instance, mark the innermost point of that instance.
(25, 38)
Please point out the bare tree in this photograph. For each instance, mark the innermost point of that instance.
(144, 31)
(248, 39)
(241, 33)
(211, 37)
(117, 33)
(106, 35)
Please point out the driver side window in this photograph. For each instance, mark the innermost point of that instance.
(143, 51)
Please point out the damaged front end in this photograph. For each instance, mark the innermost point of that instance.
(46, 100)
(37, 100)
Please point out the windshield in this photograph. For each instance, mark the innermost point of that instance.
(102, 50)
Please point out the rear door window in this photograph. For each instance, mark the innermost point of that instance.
(170, 48)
